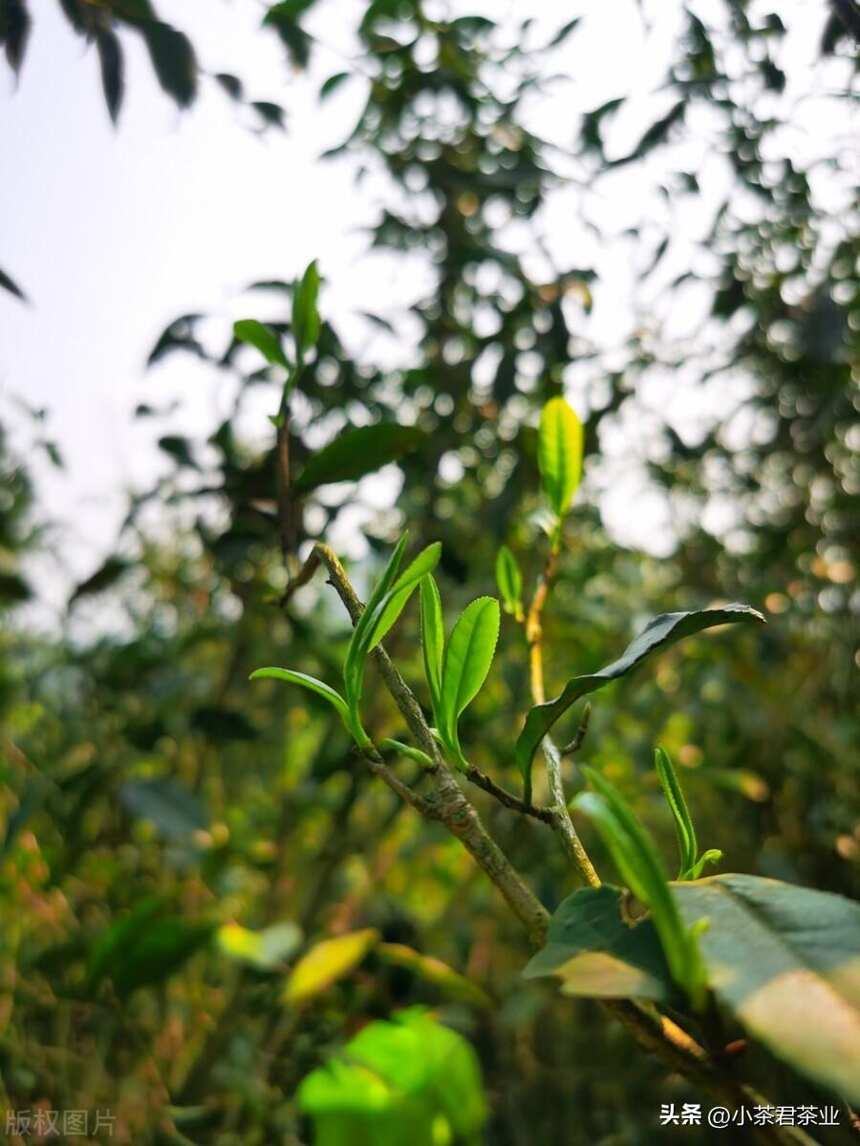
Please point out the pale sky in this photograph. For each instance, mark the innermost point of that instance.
(115, 232)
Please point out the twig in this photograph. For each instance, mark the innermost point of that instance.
(534, 636)
(482, 780)
(447, 803)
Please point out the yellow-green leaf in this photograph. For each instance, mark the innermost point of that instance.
(327, 962)
(560, 453)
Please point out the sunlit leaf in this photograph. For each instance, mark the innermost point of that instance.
(327, 962)
(266, 950)
(786, 961)
(560, 453)
(306, 319)
(435, 972)
(403, 588)
(262, 338)
(510, 582)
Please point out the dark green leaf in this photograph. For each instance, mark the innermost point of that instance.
(658, 634)
(103, 578)
(173, 60)
(597, 951)
(10, 285)
(786, 961)
(179, 449)
(354, 453)
(271, 113)
(14, 31)
(232, 85)
(175, 811)
(112, 66)
(333, 83)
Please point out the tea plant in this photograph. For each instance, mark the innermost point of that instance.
(781, 959)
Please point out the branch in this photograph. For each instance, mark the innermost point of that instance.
(447, 803)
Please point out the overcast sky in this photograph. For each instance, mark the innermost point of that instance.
(114, 232)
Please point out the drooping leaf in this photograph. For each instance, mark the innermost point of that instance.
(468, 655)
(172, 59)
(659, 633)
(306, 319)
(403, 588)
(284, 19)
(266, 950)
(309, 682)
(786, 961)
(262, 338)
(15, 26)
(432, 640)
(656, 134)
(176, 812)
(641, 868)
(6, 283)
(112, 67)
(178, 448)
(327, 962)
(597, 952)
(510, 582)
(356, 452)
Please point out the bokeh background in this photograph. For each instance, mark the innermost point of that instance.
(647, 207)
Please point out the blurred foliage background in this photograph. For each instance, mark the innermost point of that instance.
(156, 804)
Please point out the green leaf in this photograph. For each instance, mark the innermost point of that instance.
(333, 82)
(468, 656)
(310, 682)
(598, 952)
(560, 453)
(362, 635)
(688, 846)
(432, 641)
(641, 868)
(357, 452)
(409, 1080)
(658, 634)
(306, 319)
(786, 961)
(510, 582)
(262, 338)
(403, 588)
(144, 948)
(407, 750)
